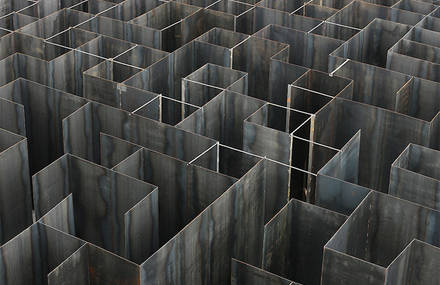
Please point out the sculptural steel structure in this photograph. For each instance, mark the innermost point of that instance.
(219, 142)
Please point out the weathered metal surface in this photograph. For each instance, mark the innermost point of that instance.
(219, 141)
(293, 240)
(107, 208)
(232, 226)
(82, 131)
(245, 274)
(415, 176)
(15, 186)
(45, 108)
(374, 236)
(202, 85)
(267, 133)
(358, 14)
(93, 265)
(382, 138)
(222, 118)
(337, 186)
(31, 255)
(308, 50)
(182, 194)
(415, 265)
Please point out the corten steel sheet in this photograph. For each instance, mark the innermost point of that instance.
(173, 22)
(223, 41)
(270, 132)
(12, 117)
(222, 118)
(102, 83)
(373, 236)
(358, 14)
(307, 158)
(278, 182)
(236, 163)
(293, 240)
(423, 36)
(82, 133)
(335, 31)
(232, 226)
(107, 208)
(415, 6)
(130, 9)
(15, 20)
(41, 9)
(281, 74)
(15, 187)
(415, 176)
(141, 56)
(199, 3)
(267, 133)
(182, 192)
(315, 11)
(253, 56)
(222, 37)
(55, 23)
(314, 89)
(8, 6)
(49, 64)
(435, 133)
(369, 88)
(45, 108)
(245, 274)
(73, 37)
(31, 255)
(415, 58)
(115, 150)
(232, 15)
(6, 44)
(422, 258)
(417, 98)
(28, 67)
(431, 22)
(155, 110)
(69, 68)
(165, 76)
(305, 49)
(264, 17)
(256, 123)
(122, 30)
(383, 137)
(94, 6)
(227, 161)
(106, 47)
(337, 186)
(202, 85)
(336, 4)
(371, 45)
(36, 47)
(284, 5)
(93, 265)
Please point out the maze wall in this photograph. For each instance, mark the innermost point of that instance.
(219, 142)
